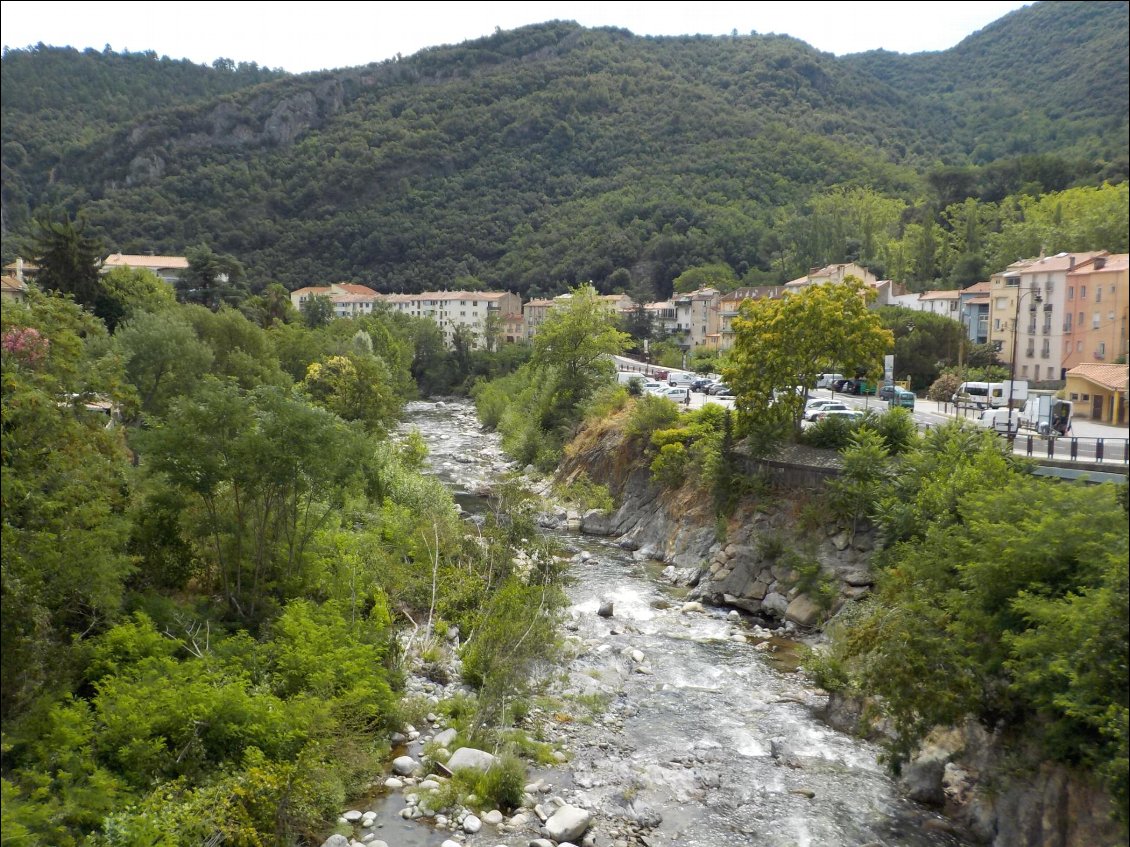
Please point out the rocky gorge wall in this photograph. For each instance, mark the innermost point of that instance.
(778, 558)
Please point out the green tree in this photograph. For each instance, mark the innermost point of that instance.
(271, 307)
(64, 493)
(212, 280)
(355, 388)
(781, 346)
(163, 358)
(127, 292)
(576, 338)
(719, 276)
(317, 310)
(68, 260)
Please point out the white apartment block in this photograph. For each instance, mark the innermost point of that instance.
(482, 312)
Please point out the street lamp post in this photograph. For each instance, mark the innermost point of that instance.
(1037, 297)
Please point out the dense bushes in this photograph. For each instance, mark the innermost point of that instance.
(1001, 596)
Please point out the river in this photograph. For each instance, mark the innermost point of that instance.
(702, 741)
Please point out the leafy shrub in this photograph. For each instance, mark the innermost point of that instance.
(897, 428)
(503, 784)
(832, 433)
(607, 401)
(586, 494)
(649, 414)
(669, 467)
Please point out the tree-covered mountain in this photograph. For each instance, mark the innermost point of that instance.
(555, 154)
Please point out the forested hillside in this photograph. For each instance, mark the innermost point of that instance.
(555, 154)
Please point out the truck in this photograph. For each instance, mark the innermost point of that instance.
(1043, 414)
(1047, 415)
(991, 395)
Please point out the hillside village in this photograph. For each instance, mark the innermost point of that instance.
(1072, 311)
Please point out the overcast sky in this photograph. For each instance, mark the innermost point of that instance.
(315, 36)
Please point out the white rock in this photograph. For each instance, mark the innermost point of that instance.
(445, 738)
(393, 784)
(493, 817)
(472, 824)
(353, 815)
(469, 757)
(404, 765)
(568, 823)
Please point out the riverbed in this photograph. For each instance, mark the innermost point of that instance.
(679, 728)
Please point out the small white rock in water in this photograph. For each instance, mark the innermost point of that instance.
(393, 784)
(493, 817)
(353, 815)
(734, 615)
(693, 606)
(472, 824)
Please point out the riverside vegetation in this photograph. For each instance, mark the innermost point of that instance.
(210, 549)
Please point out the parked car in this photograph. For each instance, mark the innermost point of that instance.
(838, 384)
(826, 380)
(723, 391)
(825, 406)
(678, 378)
(717, 387)
(858, 386)
(815, 406)
(850, 414)
(680, 394)
(701, 384)
(887, 391)
(653, 387)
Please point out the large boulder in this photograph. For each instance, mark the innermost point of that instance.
(568, 823)
(336, 841)
(803, 611)
(469, 757)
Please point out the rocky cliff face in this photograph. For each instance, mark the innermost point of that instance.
(774, 559)
(759, 559)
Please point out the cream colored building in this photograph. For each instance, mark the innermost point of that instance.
(697, 316)
(169, 268)
(1098, 391)
(832, 273)
(728, 306)
(350, 300)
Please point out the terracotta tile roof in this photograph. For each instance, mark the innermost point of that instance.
(1114, 262)
(11, 283)
(1114, 377)
(312, 289)
(940, 295)
(354, 288)
(980, 300)
(118, 260)
(977, 288)
(1060, 261)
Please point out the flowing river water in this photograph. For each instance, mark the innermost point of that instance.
(701, 739)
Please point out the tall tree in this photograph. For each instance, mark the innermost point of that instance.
(780, 346)
(212, 279)
(579, 333)
(68, 260)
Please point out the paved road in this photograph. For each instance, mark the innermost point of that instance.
(928, 413)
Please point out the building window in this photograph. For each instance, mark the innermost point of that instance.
(1002, 304)
(996, 323)
(1101, 352)
(1098, 294)
(1074, 396)
(1082, 292)
(1079, 347)
(1024, 369)
(1067, 322)
(1095, 320)
(1051, 373)
(1071, 292)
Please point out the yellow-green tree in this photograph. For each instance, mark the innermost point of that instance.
(780, 346)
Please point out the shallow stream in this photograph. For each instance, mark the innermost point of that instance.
(698, 739)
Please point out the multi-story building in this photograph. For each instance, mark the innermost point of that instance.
(1027, 303)
(534, 312)
(349, 299)
(485, 313)
(169, 268)
(832, 273)
(1095, 317)
(696, 316)
(973, 312)
(728, 305)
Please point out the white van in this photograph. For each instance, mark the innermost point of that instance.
(677, 378)
(826, 380)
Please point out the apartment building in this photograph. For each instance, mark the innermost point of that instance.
(349, 299)
(1095, 316)
(487, 314)
(1027, 303)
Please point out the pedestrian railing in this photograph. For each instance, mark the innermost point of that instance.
(1074, 449)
